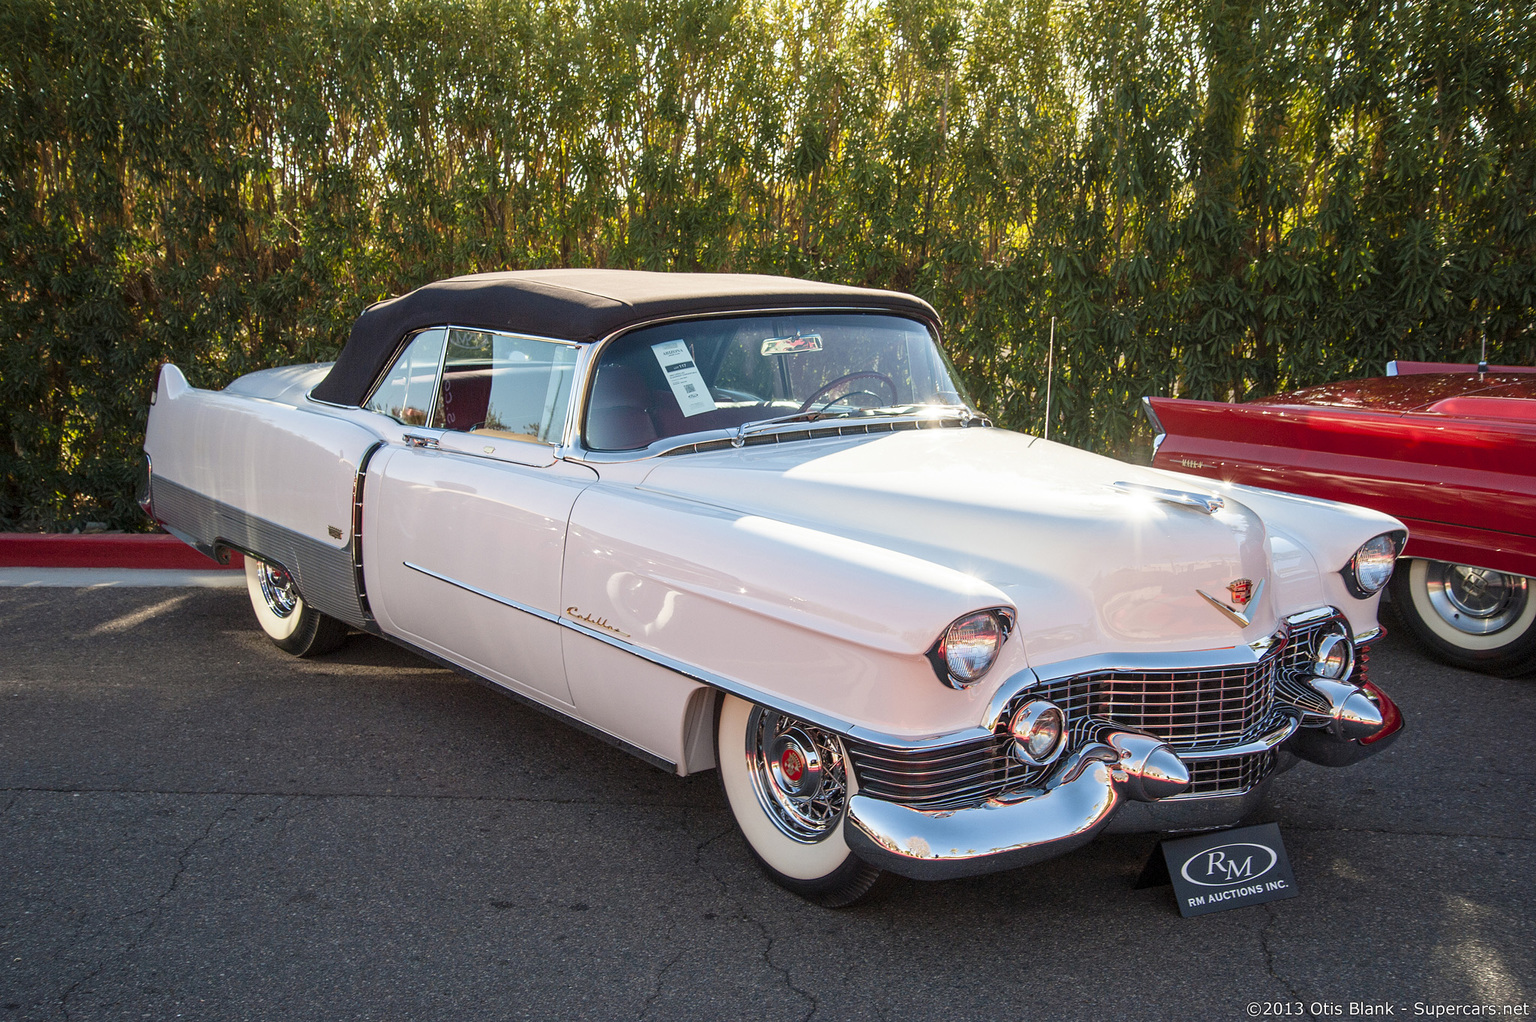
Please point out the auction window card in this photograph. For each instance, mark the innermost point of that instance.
(683, 377)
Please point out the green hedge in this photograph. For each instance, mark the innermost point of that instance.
(1215, 199)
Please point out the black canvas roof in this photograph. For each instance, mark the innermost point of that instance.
(575, 305)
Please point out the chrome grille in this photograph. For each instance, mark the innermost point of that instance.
(1297, 667)
(941, 778)
(1229, 775)
(1298, 650)
(1190, 710)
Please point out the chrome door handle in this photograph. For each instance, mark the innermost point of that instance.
(420, 441)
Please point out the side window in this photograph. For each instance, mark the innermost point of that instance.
(405, 394)
(504, 385)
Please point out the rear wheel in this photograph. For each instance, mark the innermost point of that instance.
(288, 621)
(1468, 617)
(788, 785)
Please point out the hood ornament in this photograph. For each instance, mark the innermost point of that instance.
(1251, 592)
(1205, 503)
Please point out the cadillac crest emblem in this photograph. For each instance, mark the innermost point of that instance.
(1244, 592)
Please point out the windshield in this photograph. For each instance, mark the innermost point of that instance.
(705, 374)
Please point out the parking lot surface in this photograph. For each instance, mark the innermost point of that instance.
(195, 825)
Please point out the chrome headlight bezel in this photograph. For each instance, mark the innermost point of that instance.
(1370, 567)
(954, 665)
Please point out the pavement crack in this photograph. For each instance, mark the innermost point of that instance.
(733, 898)
(181, 858)
(655, 994)
(698, 849)
(656, 987)
(789, 982)
(1269, 956)
(155, 911)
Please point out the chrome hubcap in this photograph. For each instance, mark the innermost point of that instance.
(799, 774)
(277, 589)
(1475, 600)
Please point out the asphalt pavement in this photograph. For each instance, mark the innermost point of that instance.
(195, 825)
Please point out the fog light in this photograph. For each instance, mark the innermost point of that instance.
(1039, 731)
(1335, 656)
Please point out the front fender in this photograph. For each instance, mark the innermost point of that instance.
(822, 621)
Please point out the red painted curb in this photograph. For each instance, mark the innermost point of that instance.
(126, 550)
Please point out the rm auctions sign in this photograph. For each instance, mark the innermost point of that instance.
(1212, 872)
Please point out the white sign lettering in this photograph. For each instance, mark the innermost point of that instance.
(1228, 864)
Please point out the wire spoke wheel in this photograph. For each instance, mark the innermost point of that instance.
(799, 774)
(788, 784)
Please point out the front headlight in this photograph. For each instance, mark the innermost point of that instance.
(969, 647)
(1371, 567)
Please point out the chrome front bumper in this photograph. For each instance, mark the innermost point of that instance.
(1122, 781)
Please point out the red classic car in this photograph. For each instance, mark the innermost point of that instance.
(1447, 448)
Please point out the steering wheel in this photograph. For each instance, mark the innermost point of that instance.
(866, 374)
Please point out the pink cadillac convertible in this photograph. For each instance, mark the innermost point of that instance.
(754, 523)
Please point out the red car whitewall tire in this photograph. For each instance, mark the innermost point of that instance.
(1469, 617)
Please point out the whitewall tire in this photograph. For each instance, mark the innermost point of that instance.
(788, 786)
(1468, 617)
(283, 615)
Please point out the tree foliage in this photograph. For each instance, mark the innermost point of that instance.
(1216, 198)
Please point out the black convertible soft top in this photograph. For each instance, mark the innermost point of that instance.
(575, 305)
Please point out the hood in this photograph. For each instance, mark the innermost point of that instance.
(1090, 566)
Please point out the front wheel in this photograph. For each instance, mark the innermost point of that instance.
(1474, 618)
(788, 785)
(288, 621)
